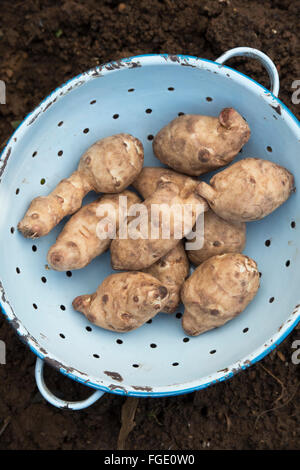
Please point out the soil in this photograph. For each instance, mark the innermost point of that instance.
(42, 44)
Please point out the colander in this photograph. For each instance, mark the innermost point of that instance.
(139, 96)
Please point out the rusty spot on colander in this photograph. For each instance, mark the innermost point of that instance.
(114, 375)
(34, 118)
(143, 389)
(96, 73)
(277, 109)
(187, 64)
(174, 58)
(59, 365)
(224, 370)
(15, 324)
(49, 104)
(5, 161)
(117, 387)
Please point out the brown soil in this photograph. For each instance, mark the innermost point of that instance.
(41, 46)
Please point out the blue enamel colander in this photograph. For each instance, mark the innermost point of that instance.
(139, 96)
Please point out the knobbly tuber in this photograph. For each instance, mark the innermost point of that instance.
(79, 242)
(248, 190)
(195, 144)
(124, 301)
(217, 291)
(220, 236)
(145, 249)
(108, 166)
(171, 270)
(146, 182)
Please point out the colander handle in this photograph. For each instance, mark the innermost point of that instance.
(255, 54)
(70, 405)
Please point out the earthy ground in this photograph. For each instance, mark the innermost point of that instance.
(42, 44)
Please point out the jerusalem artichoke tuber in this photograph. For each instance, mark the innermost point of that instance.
(248, 190)
(124, 301)
(217, 291)
(194, 144)
(108, 166)
(79, 242)
(171, 270)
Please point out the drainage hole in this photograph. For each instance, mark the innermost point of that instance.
(208, 98)
(86, 130)
(131, 90)
(62, 307)
(245, 330)
(34, 247)
(175, 364)
(153, 345)
(268, 242)
(186, 340)
(35, 306)
(271, 300)
(96, 356)
(178, 315)
(62, 336)
(149, 321)
(119, 341)
(88, 328)
(171, 88)
(181, 113)
(93, 102)
(293, 224)
(135, 365)
(18, 270)
(60, 153)
(213, 351)
(287, 263)
(115, 116)
(12, 229)
(34, 154)
(150, 137)
(44, 280)
(60, 123)
(43, 181)
(69, 273)
(17, 190)
(269, 149)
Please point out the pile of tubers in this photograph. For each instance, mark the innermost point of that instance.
(155, 271)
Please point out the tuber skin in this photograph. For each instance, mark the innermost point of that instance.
(138, 254)
(217, 291)
(248, 190)
(108, 166)
(195, 144)
(149, 177)
(220, 236)
(124, 301)
(78, 243)
(171, 270)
